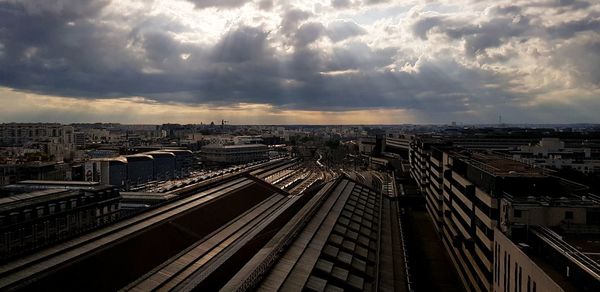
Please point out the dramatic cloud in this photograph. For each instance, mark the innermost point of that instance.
(340, 30)
(341, 3)
(433, 61)
(218, 3)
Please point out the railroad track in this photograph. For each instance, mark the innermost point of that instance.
(313, 177)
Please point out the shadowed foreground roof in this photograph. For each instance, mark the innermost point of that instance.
(345, 238)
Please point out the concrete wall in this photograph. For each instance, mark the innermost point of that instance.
(508, 256)
(540, 215)
(139, 170)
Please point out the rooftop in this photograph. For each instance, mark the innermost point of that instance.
(26, 199)
(234, 146)
(580, 251)
(569, 198)
(117, 159)
(340, 240)
(58, 182)
(499, 165)
(28, 186)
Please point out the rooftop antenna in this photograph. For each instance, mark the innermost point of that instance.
(500, 123)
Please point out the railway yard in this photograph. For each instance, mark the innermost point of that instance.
(236, 227)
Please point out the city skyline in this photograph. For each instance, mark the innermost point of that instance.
(300, 62)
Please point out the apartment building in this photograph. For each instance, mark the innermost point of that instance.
(22, 133)
(34, 214)
(469, 196)
(548, 243)
(55, 140)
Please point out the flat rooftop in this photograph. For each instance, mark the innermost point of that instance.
(146, 196)
(579, 250)
(126, 250)
(588, 244)
(499, 165)
(34, 185)
(58, 182)
(343, 239)
(219, 146)
(27, 199)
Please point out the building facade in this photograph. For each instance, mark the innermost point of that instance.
(34, 214)
(23, 133)
(553, 153)
(234, 154)
(469, 195)
(514, 270)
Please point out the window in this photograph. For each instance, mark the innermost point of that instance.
(504, 274)
(496, 264)
(516, 277)
(520, 278)
(517, 213)
(569, 215)
(508, 275)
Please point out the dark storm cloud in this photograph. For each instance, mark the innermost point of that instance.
(570, 28)
(359, 56)
(49, 55)
(341, 3)
(569, 4)
(581, 60)
(340, 30)
(505, 22)
(308, 33)
(348, 3)
(59, 47)
(430, 89)
(219, 3)
(575, 54)
(265, 4)
(506, 10)
(66, 9)
(423, 25)
(291, 18)
(478, 37)
(160, 47)
(351, 79)
(372, 2)
(67, 50)
(242, 45)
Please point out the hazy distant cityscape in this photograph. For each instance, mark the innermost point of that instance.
(274, 145)
(257, 207)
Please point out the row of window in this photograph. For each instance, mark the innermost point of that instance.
(505, 272)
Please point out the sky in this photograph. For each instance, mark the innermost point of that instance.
(300, 62)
